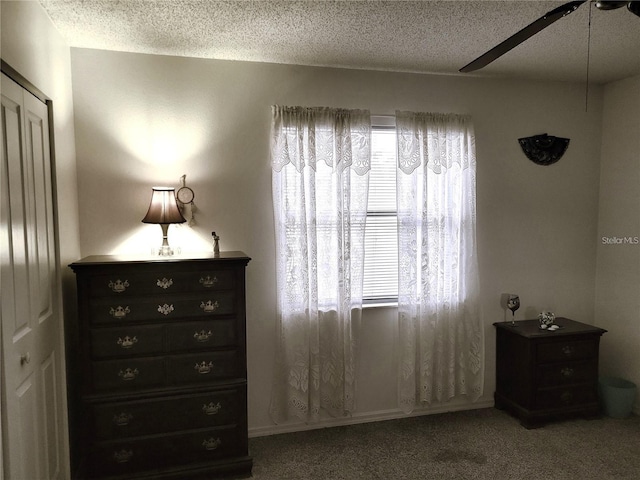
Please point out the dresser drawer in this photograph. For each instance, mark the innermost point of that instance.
(565, 397)
(203, 367)
(201, 335)
(127, 340)
(162, 308)
(128, 374)
(567, 373)
(144, 417)
(569, 350)
(159, 282)
(155, 452)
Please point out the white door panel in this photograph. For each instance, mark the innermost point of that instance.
(33, 383)
(51, 434)
(26, 431)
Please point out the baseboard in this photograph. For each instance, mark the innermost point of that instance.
(357, 418)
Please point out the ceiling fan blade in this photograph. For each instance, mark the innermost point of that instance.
(527, 32)
(634, 7)
(610, 4)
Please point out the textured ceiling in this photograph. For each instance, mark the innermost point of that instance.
(408, 36)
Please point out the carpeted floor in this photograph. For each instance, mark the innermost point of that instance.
(476, 444)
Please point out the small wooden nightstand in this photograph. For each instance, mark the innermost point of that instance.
(543, 375)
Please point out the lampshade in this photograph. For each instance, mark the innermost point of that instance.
(164, 210)
(163, 207)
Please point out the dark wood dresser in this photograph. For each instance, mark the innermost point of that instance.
(543, 375)
(157, 368)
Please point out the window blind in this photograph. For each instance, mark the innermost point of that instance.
(381, 231)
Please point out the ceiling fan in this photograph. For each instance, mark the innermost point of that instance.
(540, 24)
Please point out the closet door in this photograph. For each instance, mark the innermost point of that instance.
(32, 380)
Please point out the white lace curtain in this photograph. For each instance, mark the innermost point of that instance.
(440, 332)
(320, 159)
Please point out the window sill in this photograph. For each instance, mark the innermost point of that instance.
(388, 304)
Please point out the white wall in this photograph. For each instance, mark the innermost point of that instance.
(618, 263)
(537, 226)
(32, 46)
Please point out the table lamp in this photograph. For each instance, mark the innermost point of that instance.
(164, 210)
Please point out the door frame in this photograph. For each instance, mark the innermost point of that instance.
(23, 82)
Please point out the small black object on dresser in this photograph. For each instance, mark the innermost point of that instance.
(543, 375)
(157, 368)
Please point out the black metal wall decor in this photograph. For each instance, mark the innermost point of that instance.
(544, 149)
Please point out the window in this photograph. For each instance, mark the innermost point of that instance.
(381, 231)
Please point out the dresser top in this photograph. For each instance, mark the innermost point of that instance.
(531, 328)
(155, 259)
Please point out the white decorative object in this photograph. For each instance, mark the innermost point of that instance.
(546, 319)
(216, 244)
(185, 197)
(320, 159)
(440, 329)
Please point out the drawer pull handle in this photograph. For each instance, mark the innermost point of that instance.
(165, 309)
(128, 374)
(211, 443)
(118, 286)
(212, 408)
(122, 419)
(567, 372)
(568, 350)
(203, 367)
(208, 282)
(123, 456)
(209, 306)
(566, 397)
(202, 336)
(119, 311)
(165, 283)
(127, 342)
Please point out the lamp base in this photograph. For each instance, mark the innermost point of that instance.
(165, 251)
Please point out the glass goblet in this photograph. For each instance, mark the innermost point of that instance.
(513, 304)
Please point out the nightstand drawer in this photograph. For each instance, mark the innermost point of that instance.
(127, 340)
(150, 453)
(565, 397)
(160, 282)
(144, 417)
(201, 335)
(570, 350)
(202, 367)
(567, 373)
(163, 308)
(129, 374)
